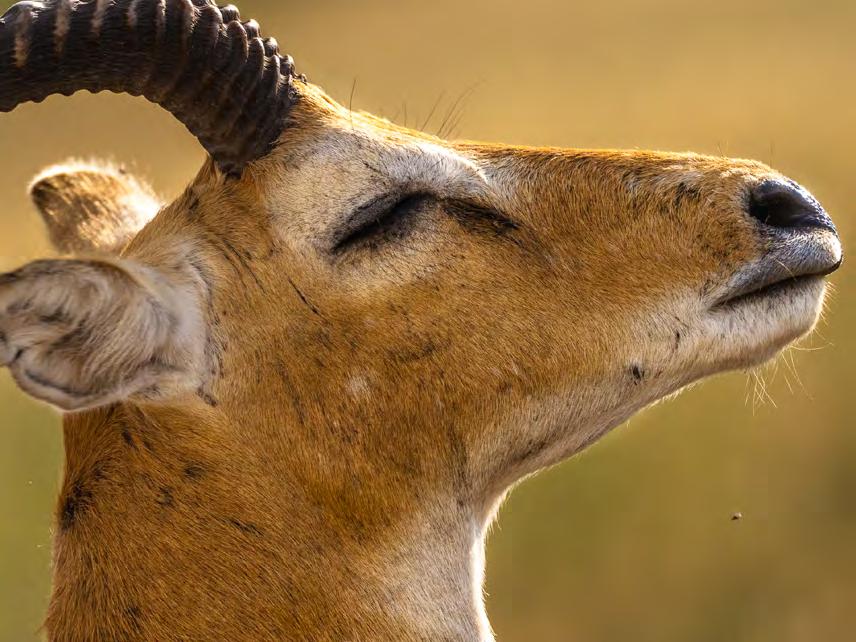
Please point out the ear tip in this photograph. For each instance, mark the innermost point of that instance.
(39, 190)
(48, 184)
(45, 193)
(91, 205)
(60, 183)
(68, 170)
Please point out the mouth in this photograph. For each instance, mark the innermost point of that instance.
(777, 289)
(797, 263)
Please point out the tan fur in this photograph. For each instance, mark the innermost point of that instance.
(349, 422)
(92, 207)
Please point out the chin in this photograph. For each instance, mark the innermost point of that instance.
(753, 329)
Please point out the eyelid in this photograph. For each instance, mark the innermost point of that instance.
(393, 211)
(364, 215)
(377, 212)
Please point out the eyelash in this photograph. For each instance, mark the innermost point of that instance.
(379, 218)
(386, 219)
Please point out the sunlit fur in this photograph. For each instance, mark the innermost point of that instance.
(333, 431)
(92, 206)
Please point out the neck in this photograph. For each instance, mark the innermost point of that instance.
(167, 531)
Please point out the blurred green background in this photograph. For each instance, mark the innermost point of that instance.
(632, 540)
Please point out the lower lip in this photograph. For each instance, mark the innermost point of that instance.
(773, 291)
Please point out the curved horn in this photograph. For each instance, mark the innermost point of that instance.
(229, 87)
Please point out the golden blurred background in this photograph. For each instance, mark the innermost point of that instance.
(632, 540)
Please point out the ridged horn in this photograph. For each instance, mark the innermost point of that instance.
(228, 86)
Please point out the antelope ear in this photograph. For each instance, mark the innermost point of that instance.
(91, 207)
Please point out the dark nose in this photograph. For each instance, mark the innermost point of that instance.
(787, 205)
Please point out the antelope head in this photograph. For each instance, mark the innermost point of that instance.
(296, 395)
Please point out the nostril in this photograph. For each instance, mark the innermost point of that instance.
(783, 205)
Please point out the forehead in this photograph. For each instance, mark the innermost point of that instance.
(359, 151)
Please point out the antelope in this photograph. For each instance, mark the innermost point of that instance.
(296, 396)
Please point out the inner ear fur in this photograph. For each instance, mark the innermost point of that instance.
(92, 206)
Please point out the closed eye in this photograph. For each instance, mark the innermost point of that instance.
(393, 217)
(386, 219)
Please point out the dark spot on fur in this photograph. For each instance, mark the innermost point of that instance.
(76, 502)
(677, 339)
(133, 614)
(194, 471)
(207, 398)
(127, 436)
(638, 373)
(245, 527)
(684, 192)
(165, 498)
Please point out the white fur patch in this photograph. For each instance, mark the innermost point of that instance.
(438, 168)
(436, 575)
(358, 386)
